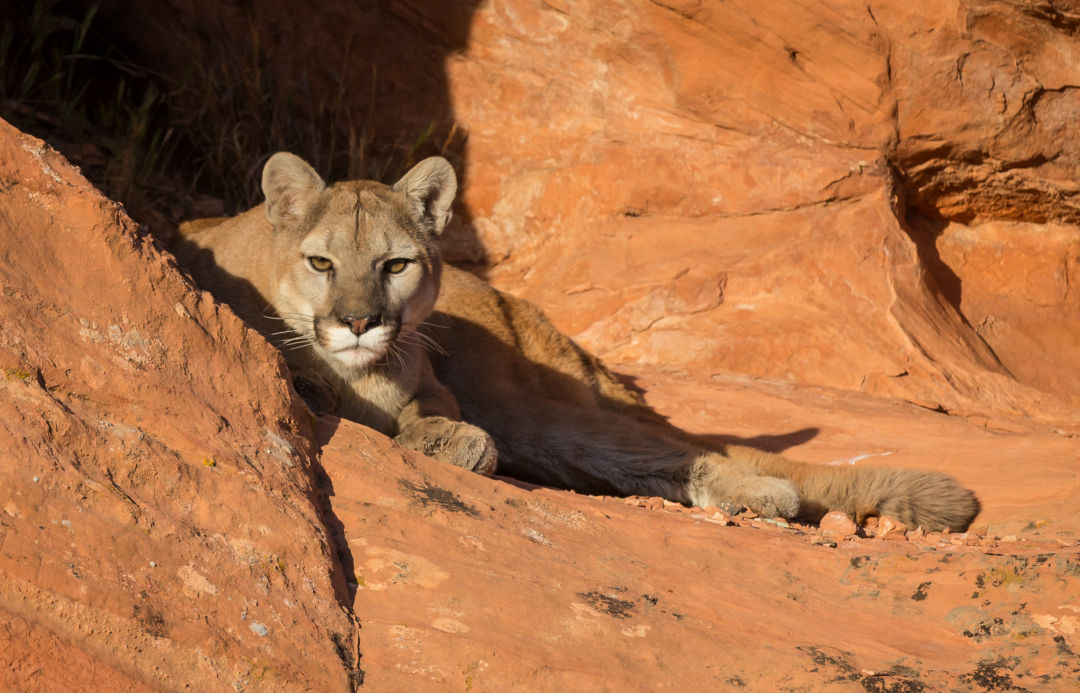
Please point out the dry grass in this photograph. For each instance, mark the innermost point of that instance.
(169, 147)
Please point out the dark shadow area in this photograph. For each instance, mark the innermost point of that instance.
(924, 231)
(776, 443)
(921, 221)
(172, 108)
(344, 568)
(558, 416)
(769, 443)
(323, 429)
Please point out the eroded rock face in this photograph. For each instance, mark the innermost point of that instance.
(155, 480)
(809, 156)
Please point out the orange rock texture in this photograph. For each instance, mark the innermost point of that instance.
(844, 231)
(850, 195)
(159, 512)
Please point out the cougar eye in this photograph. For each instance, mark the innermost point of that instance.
(319, 264)
(396, 266)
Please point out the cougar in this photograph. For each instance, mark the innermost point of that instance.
(346, 280)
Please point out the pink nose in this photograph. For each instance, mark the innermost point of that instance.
(360, 325)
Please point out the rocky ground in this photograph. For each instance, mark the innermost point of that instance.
(840, 231)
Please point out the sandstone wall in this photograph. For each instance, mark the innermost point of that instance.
(886, 196)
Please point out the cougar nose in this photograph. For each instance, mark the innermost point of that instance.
(359, 325)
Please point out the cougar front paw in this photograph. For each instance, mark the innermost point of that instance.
(456, 442)
(769, 496)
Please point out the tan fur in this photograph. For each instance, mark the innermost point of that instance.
(556, 414)
(259, 263)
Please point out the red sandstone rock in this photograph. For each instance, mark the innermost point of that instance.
(744, 175)
(891, 528)
(119, 545)
(444, 562)
(837, 524)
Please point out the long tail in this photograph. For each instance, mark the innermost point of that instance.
(918, 498)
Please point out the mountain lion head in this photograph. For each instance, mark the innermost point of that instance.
(357, 262)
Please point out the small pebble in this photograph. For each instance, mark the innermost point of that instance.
(716, 518)
(732, 508)
(259, 629)
(916, 534)
(825, 541)
(722, 518)
(36, 480)
(837, 524)
(891, 528)
(153, 565)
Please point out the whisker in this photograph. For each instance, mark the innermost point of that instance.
(301, 339)
(423, 340)
(426, 338)
(393, 349)
(427, 323)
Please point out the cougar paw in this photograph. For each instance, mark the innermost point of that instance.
(769, 496)
(456, 442)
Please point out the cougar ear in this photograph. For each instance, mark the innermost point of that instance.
(430, 187)
(290, 186)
